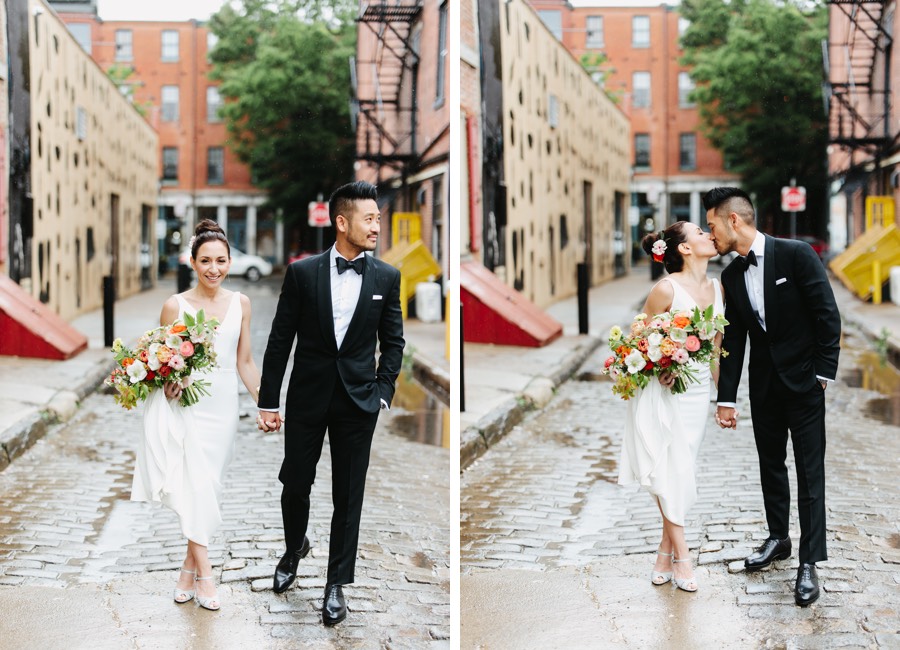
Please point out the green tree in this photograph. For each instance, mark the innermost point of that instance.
(120, 75)
(595, 64)
(757, 66)
(285, 79)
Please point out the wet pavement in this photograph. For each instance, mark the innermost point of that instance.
(555, 554)
(83, 567)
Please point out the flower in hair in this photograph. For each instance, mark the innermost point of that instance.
(191, 242)
(659, 250)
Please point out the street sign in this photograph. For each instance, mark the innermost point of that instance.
(318, 215)
(793, 199)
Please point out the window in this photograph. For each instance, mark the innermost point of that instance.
(123, 45)
(215, 166)
(640, 31)
(81, 123)
(442, 55)
(170, 103)
(642, 150)
(213, 104)
(552, 111)
(553, 21)
(594, 28)
(169, 45)
(640, 88)
(211, 40)
(685, 86)
(82, 34)
(170, 164)
(687, 156)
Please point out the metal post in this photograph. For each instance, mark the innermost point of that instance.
(184, 278)
(876, 282)
(462, 365)
(583, 284)
(109, 299)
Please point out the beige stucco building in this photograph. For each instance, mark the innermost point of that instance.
(93, 176)
(566, 153)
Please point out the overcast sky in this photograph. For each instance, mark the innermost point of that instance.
(157, 9)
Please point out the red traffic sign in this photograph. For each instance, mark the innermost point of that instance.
(318, 215)
(793, 199)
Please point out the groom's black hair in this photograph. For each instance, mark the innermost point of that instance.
(341, 200)
(731, 199)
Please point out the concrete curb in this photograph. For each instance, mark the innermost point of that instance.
(891, 341)
(430, 374)
(476, 439)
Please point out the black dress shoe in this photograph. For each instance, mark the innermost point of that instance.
(771, 550)
(286, 571)
(334, 608)
(806, 591)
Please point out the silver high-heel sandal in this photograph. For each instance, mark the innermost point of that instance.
(207, 603)
(183, 596)
(661, 577)
(685, 583)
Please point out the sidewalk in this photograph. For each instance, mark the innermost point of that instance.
(503, 383)
(38, 393)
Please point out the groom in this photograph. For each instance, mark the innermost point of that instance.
(777, 293)
(336, 305)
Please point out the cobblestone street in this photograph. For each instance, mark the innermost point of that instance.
(544, 523)
(83, 567)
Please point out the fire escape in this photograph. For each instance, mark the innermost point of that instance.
(857, 71)
(385, 85)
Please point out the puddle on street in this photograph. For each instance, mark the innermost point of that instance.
(418, 415)
(876, 374)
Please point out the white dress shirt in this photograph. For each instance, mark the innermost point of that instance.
(345, 288)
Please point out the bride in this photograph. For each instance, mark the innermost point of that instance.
(663, 430)
(186, 450)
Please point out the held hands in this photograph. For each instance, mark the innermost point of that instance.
(268, 421)
(726, 417)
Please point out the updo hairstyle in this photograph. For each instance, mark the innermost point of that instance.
(672, 236)
(207, 230)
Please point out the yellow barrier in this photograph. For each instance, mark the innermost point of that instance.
(415, 264)
(879, 211)
(867, 262)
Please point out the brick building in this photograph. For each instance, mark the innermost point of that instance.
(470, 160)
(199, 176)
(672, 163)
(403, 114)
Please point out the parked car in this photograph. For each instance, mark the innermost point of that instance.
(252, 267)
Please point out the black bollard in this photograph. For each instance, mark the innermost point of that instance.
(584, 284)
(109, 299)
(184, 278)
(462, 365)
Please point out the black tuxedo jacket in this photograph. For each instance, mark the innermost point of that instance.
(304, 312)
(803, 326)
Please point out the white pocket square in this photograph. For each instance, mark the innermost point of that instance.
(376, 297)
(780, 281)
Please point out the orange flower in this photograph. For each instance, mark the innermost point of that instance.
(127, 361)
(176, 329)
(668, 346)
(681, 320)
(643, 345)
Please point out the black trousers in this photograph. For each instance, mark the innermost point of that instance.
(803, 414)
(350, 432)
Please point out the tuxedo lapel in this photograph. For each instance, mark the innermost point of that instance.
(357, 323)
(769, 285)
(323, 299)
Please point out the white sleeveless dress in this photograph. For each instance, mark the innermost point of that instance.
(663, 431)
(185, 451)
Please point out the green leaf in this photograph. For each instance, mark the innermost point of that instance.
(189, 320)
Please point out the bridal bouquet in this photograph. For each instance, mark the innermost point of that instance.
(665, 342)
(166, 354)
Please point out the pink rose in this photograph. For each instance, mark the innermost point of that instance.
(692, 344)
(680, 356)
(187, 348)
(609, 362)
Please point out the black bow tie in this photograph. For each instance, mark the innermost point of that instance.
(746, 262)
(357, 265)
